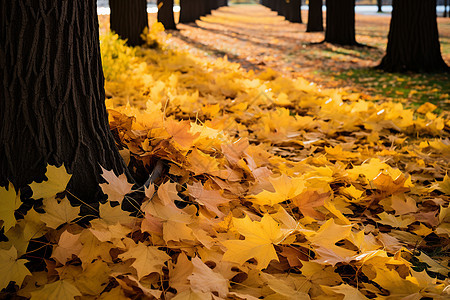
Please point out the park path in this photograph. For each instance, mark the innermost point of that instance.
(258, 38)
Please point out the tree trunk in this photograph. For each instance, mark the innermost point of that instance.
(52, 108)
(165, 14)
(214, 4)
(129, 19)
(380, 5)
(186, 11)
(222, 3)
(340, 28)
(446, 12)
(206, 7)
(294, 11)
(413, 41)
(315, 16)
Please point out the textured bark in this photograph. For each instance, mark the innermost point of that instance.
(380, 5)
(279, 7)
(52, 107)
(214, 4)
(315, 16)
(446, 12)
(206, 7)
(222, 3)
(293, 11)
(165, 14)
(186, 11)
(190, 10)
(129, 19)
(340, 28)
(413, 41)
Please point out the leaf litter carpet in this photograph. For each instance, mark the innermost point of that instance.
(270, 188)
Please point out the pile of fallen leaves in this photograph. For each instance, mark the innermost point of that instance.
(272, 188)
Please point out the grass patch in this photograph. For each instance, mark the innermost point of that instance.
(410, 88)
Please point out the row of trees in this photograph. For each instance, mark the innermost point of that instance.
(190, 10)
(129, 18)
(413, 41)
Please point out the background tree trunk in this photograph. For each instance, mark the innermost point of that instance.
(223, 3)
(380, 6)
(340, 28)
(214, 4)
(315, 16)
(165, 14)
(187, 8)
(206, 7)
(413, 41)
(52, 107)
(446, 12)
(128, 19)
(293, 11)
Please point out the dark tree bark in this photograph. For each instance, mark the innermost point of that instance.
(413, 41)
(294, 11)
(52, 107)
(214, 4)
(340, 28)
(187, 11)
(191, 10)
(315, 16)
(279, 7)
(206, 7)
(222, 3)
(380, 5)
(446, 12)
(129, 19)
(165, 14)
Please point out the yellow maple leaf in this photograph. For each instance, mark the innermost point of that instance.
(328, 235)
(10, 202)
(93, 279)
(396, 222)
(426, 108)
(30, 227)
(93, 249)
(57, 180)
(285, 188)
(396, 285)
(201, 163)
(205, 280)
(179, 273)
(352, 192)
(68, 245)
(58, 290)
(148, 259)
(349, 292)
(57, 214)
(117, 187)
(290, 286)
(13, 269)
(369, 169)
(259, 240)
(180, 132)
(211, 199)
(113, 215)
(444, 185)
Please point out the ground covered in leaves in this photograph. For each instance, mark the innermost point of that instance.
(257, 38)
(269, 187)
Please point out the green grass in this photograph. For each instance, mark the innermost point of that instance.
(412, 89)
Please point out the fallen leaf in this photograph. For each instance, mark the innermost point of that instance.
(57, 180)
(147, 259)
(10, 202)
(13, 269)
